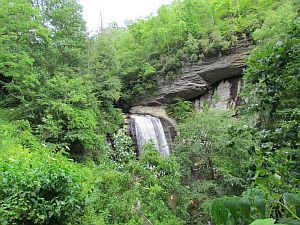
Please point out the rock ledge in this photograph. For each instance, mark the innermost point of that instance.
(197, 78)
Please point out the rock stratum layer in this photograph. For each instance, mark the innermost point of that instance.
(197, 78)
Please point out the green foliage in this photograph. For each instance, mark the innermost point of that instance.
(67, 35)
(102, 65)
(145, 191)
(180, 110)
(123, 147)
(37, 186)
(40, 186)
(41, 75)
(61, 85)
(38, 191)
(272, 92)
(239, 210)
(211, 138)
(153, 49)
(272, 88)
(212, 149)
(264, 222)
(272, 71)
(18, 33)
(201, 194)
(256, 204)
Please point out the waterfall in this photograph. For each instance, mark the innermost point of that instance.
(150, 128)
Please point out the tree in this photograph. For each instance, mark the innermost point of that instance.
(272, 88)
(21, 33)
(63, 18)
(42, 63)
(212, 149)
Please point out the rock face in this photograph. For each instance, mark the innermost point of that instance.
(221, 96)
(214, 83)
(197, 78)
(157, 111)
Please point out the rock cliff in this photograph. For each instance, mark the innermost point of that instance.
(198, 78)
(221, 96)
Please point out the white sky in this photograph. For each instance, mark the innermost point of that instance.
(117, 11)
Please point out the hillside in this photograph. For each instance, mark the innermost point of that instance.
(66, 156)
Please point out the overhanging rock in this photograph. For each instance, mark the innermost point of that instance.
(197, 78)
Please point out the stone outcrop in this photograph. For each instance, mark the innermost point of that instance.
(198, 78)
(221, 96)
(215, 83)
(157, 111)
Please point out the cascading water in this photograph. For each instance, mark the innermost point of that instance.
(149, 128)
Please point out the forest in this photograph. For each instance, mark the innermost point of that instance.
(65, 154)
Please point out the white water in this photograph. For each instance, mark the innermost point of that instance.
(149, 128)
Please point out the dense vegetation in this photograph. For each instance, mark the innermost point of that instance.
(153, 49)
(65, 157)
(42, 186)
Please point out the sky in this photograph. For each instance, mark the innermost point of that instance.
(117, 11)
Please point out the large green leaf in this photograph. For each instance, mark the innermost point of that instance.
(294, 200)
(269, 221)
(219, 212)
(245, 207)
(260, 205)
(291, 198)
(232, 203)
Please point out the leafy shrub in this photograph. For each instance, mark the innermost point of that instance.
(214, 143)
(40, 186)
(180, 110)
(123, 147)
(37, 186)
(212, 149)
(145, 191)
(272, 91)
(256, 204)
